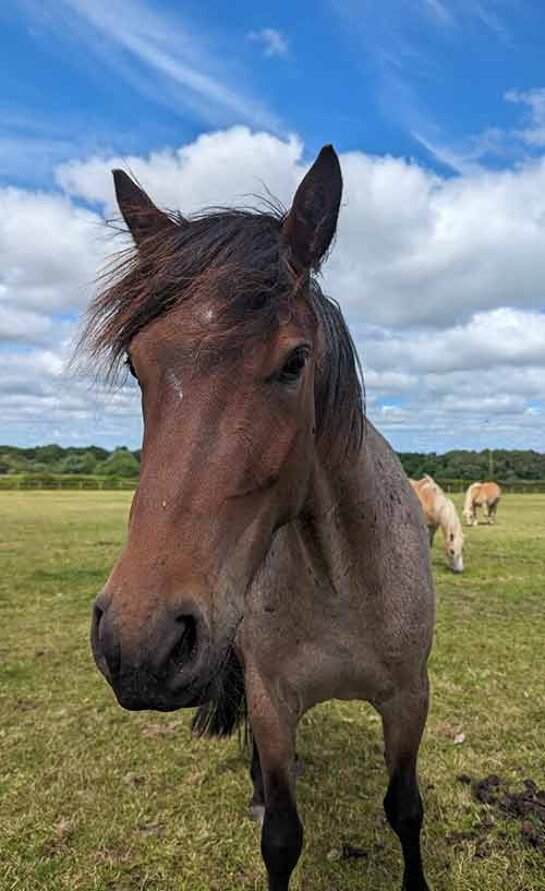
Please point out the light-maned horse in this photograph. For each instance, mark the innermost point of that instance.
(484, 495)
(276, 557)
(440, 511)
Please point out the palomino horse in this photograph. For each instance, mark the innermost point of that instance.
(276, 557)
(485, 495)
(440, 511)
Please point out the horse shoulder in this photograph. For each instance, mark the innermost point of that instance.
(398, 542)
(341, 624)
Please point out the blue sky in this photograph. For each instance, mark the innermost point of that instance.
(399, 77)
(436, 103)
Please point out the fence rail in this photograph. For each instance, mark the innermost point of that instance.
(10, 482)
(512, 487)
(67, 481)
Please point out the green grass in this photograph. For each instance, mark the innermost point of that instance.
(92, 797)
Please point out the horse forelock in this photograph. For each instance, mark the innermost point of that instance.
(229, 257)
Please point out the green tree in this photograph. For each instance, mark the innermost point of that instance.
(121, 463)
(79, 463)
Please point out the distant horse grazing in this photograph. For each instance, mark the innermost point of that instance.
(275, 556)
(440, 511)
(485, 495)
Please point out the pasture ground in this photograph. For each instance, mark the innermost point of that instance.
(93, 798)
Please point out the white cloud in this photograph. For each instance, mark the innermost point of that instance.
(413, 248)
(273, 42)
(387, 382)
(466, 156)
(42, 401)
(442, 280)
(49, 252)
(469, 154)
(527, 381)
(498, 337)
(417, 249)
(225, 167)
(534, 101)
(20, 325)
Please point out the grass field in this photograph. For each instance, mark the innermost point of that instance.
(92, 797)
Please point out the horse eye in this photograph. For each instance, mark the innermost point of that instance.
(293, 367)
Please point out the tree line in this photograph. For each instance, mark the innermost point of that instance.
(120, 463)
(504, 465)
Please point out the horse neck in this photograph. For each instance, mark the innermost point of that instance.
(468, 502)
(448, 519)
(346, 508)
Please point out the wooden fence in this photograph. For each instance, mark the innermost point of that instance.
(77, 482)
(513, 487)
(27, 481)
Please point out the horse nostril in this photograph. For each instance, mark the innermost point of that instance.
(97, 616)
(105, 646)
(95, 626)
(185, 648)
(97, 645)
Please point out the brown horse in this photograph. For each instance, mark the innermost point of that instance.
(276, 556)
(485, 495)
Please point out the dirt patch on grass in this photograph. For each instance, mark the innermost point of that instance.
(525, 805)
(60, 840)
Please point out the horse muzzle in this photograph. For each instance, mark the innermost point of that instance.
(163, 665)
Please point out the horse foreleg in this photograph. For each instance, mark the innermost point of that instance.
(431, 532)
(257, 801)
(403, 719)
(273, 772)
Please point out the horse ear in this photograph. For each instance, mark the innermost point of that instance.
(310, 225)
(141, 215)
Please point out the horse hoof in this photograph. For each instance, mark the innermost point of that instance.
(256, 812)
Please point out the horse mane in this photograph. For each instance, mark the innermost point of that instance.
(468, 501)
(447, 515)
(236, 259)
